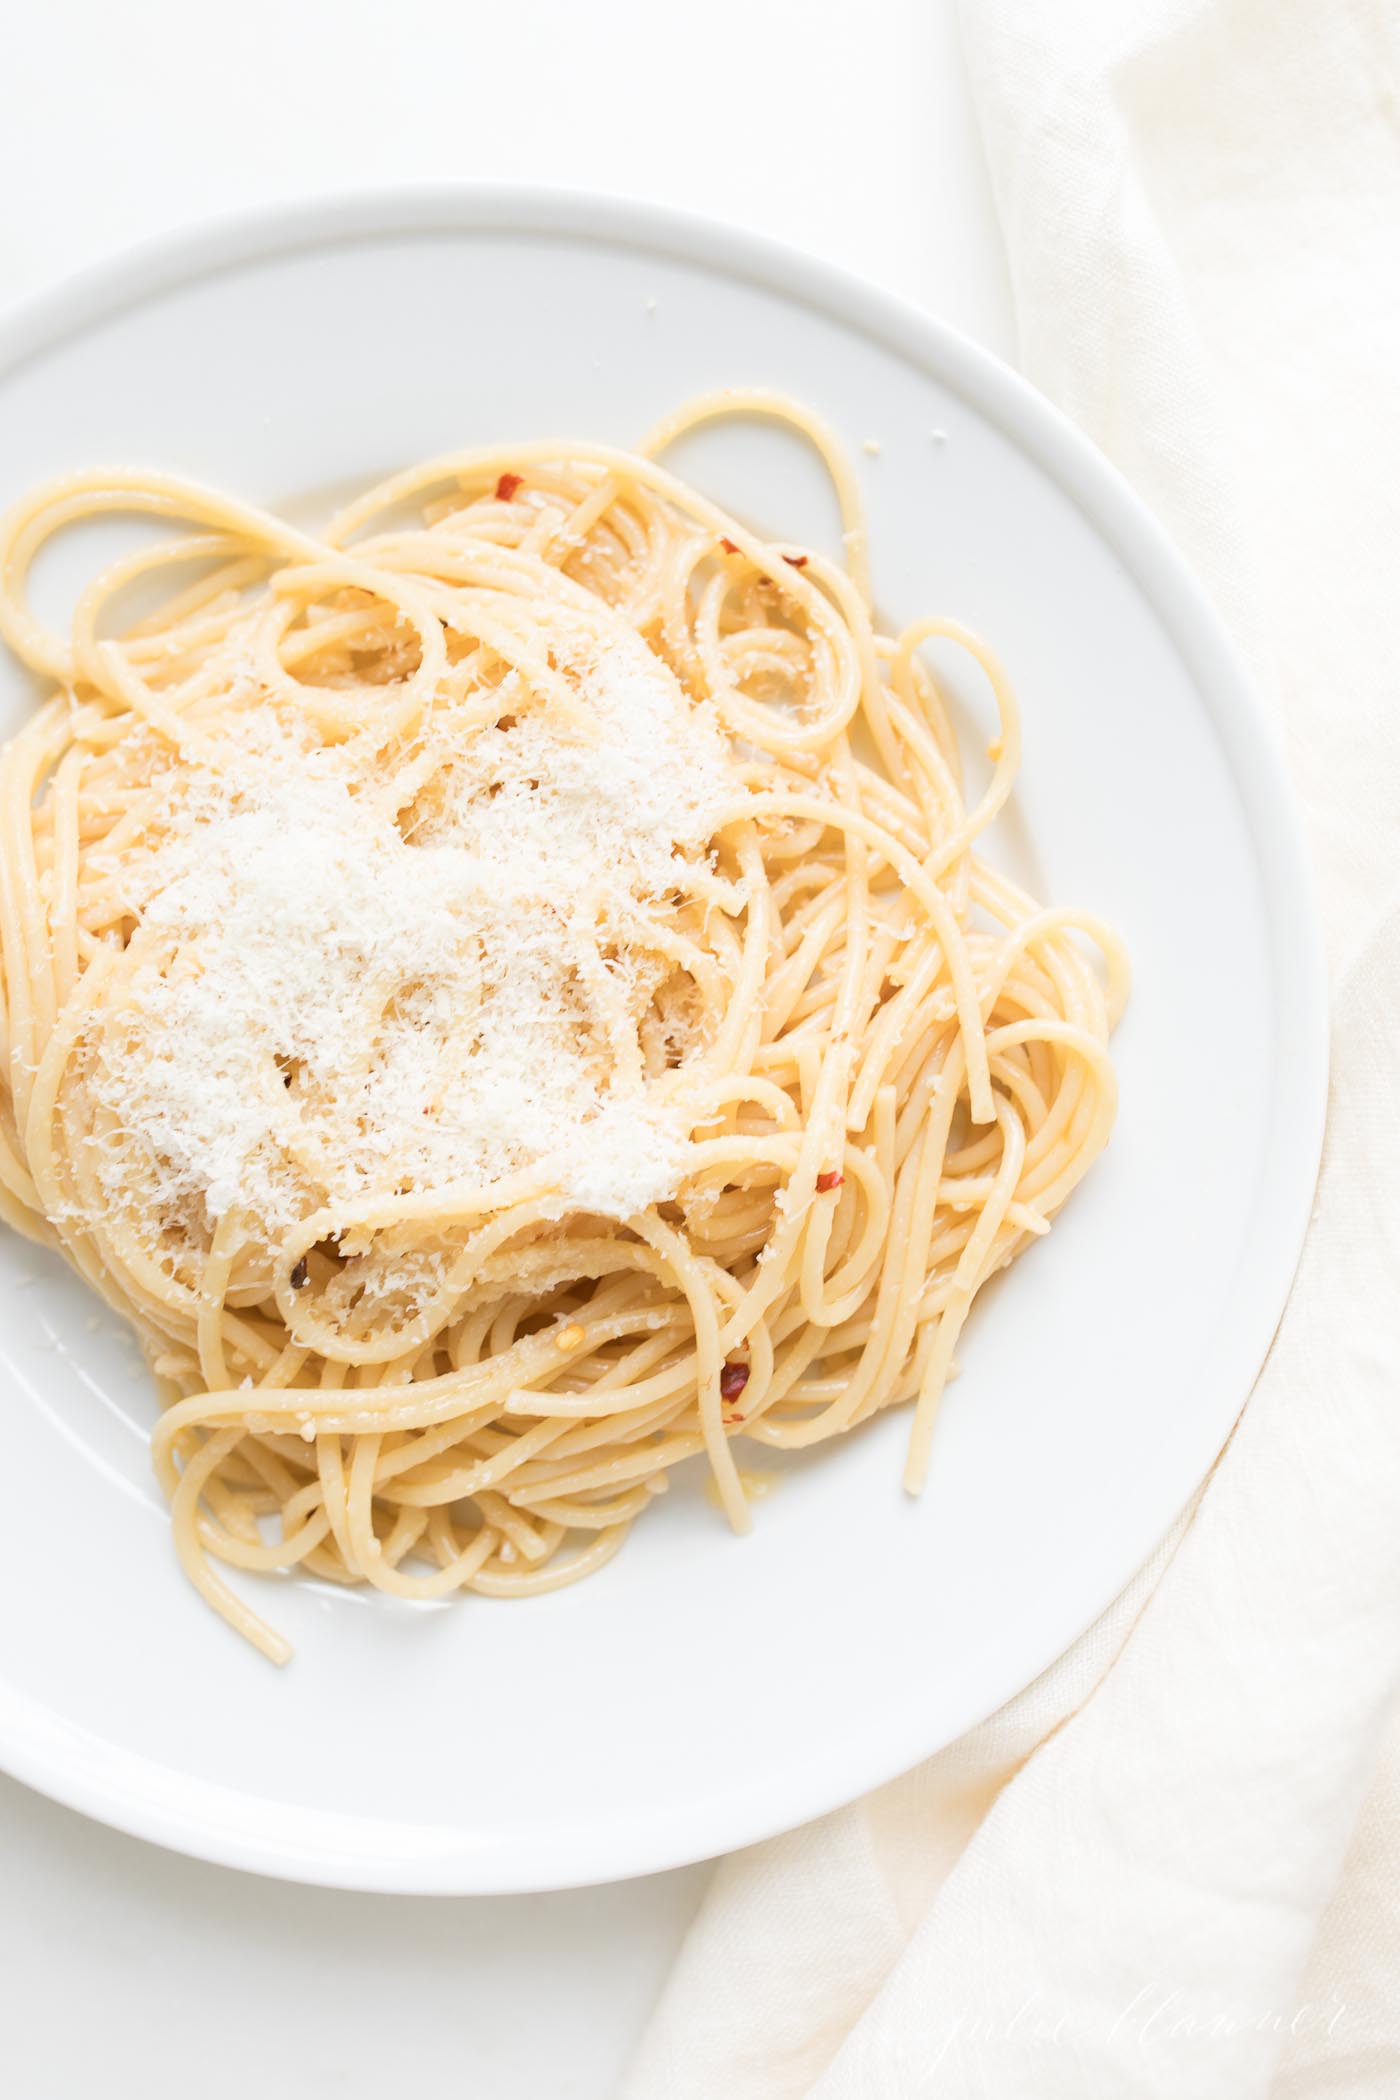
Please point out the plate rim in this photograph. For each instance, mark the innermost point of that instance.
(135, 1794)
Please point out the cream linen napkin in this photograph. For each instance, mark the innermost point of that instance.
(1172, 1866)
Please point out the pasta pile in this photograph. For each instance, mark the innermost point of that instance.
(503, 996)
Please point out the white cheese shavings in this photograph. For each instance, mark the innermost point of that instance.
(333, 1000)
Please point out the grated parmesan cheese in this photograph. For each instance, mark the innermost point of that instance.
(333, 999)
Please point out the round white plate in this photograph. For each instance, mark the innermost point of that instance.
(703, 1691)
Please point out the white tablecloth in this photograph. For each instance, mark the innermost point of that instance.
(1153, 1874)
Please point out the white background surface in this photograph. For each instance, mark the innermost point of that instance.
(846, 131)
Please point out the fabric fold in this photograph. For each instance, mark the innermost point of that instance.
(1146, 1876)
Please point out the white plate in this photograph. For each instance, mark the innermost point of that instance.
(703, 1691)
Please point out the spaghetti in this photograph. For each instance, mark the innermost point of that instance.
(502, 996)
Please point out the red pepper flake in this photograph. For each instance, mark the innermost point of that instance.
(507, 486)
(796, 561)
(300, 1275)
(732, 1380)
(829, 1180)
(729, 546)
